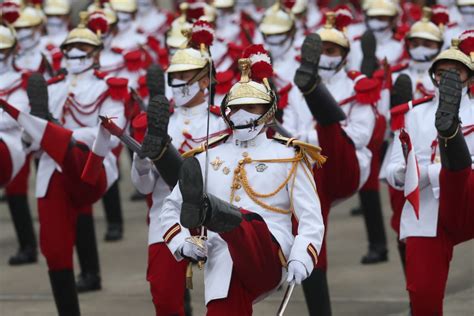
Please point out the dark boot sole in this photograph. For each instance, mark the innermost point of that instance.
(310, 54)
(191, 186)
(37, 91)
(157, 123)
(369, 60)
(402, 90)
(450, 94)
(155, 80)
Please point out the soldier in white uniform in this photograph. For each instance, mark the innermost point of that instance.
(66, 133)
(57, 24)
(14, 161)
(254, 185)
(188, 77)
(338, 112)
(429, 243)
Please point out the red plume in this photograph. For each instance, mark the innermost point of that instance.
(344, 17)
(466, 44)
(195, 11)
(260, 63)
(440, 15)
(98, 22)
(37, 2)
(202, 33)
(10, 11)
(289, 4)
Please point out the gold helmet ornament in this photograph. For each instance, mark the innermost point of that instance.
(126, 6)
(253, 87)
(82, 34)
(223, 4)
(277, 20)
(196, 55)
(426, 29)
(329, 32)
(382, 8)
(175, 37)
(29, 17)
(57, 7)
(452, 54)
(109, 13)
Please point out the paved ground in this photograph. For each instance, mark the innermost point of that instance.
(355, 289)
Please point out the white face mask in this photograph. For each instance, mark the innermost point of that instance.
(276, 48)
(242, 117)
(124, 21)
(328, 66)
(467, 14)
(77, 61)
(376, 25)
(27, 38)
(55, 25)
(423, 53)
(223, 19)
(144, 6)
(182, 95)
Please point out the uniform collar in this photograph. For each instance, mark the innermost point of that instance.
(255, 142)
(337, 77)
(195, 110)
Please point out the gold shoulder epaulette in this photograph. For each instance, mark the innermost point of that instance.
(201, 148)
(313, 151)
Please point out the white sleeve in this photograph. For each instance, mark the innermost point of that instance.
(361, 123)
(175, 235)
(396, 161)
(307, 209)
(144, 176)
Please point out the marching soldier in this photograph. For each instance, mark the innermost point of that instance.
(247, 217)
(57, 24)
(65, 131)
(14, 161)
(191, 84)
(429, 243)
(339, 113)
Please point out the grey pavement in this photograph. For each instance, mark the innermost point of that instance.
(355, 289)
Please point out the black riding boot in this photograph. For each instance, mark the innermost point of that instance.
(113, 213)
(316, 293)
(86, 247)
(23, 224)
(374, 225)
(203, 210)
(64, 292)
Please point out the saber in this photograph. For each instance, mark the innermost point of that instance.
(286, 298)
(129, 141)
(277, 127)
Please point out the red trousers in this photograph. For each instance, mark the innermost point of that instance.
(6, 165)
(338, 178)
(456, 203)
(66, 198)
(19, 184)
(428, 259)
(257, 267)
(167, 278)
(397, 200)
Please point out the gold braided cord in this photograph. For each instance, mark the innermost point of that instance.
(240, 177)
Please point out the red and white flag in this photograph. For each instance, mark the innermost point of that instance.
(412, 176)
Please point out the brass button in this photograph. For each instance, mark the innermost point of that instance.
(226, 170)
(185, 131)
(237, 198)
(245, 154)
(187, 121)
(238, 186)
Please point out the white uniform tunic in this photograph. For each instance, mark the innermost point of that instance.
(263, 178)
(192, 121)
(10, 132)
(73, 102)
(419, 123)
(359, 125)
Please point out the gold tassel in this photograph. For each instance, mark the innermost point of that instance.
(189, 276)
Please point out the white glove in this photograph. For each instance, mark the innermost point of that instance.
(296, 272)
(194, 252)
(142, 166)
(399, 175)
